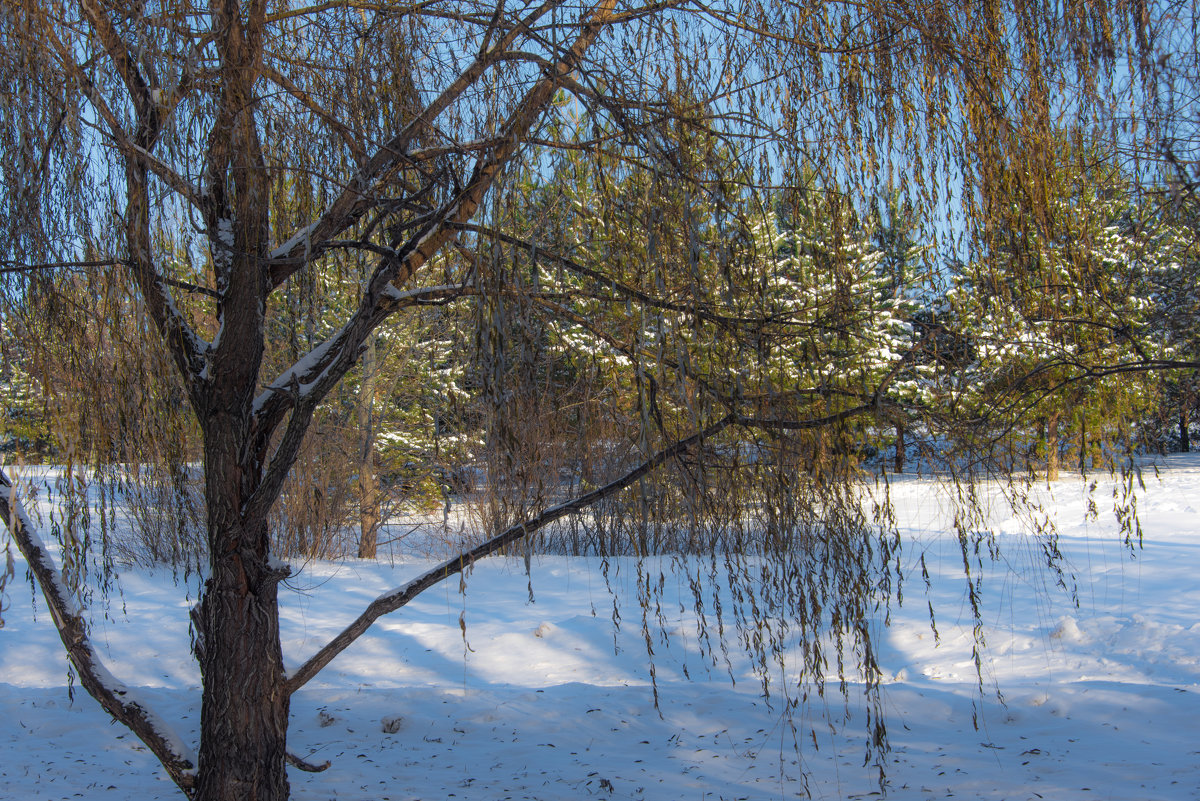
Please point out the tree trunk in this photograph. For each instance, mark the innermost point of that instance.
(244, 711)
(1185, 439)
(1083, 445)
(368, 511)
(1052, 447)
(368, 484)
(900, 448)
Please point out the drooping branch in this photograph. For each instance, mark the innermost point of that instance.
(621, 290)
(730, 398)
(7, 266)
(1024, 394)
(305, 382)
(301, 387)
(401, 596)
(768, 424)
(117, 699)
(348, 137)
(397, 267)
(395, 599)
(186, 348)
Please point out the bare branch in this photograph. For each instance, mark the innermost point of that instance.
(768, 424)
(137, 149)
(305, 99)
(185, 346)
(317, 8)
(302, 386)
(149, 120)
(393, 600)
(625, 291)
(348, 207)
(307, 767)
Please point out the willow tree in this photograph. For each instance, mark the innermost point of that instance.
(151, 144)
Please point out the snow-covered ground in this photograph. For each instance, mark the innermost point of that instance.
(1099, 700)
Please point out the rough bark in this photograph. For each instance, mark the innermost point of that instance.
(244, 710)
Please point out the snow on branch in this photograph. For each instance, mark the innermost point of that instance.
(302, 386)
(117, 699)
(426, 296)
(296, 383)
(297, 379)
(394, 599)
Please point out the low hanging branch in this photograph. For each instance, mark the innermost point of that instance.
(401, 596)
(117, 699)
(394, 599)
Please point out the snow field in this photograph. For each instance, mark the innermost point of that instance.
(545, 700)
